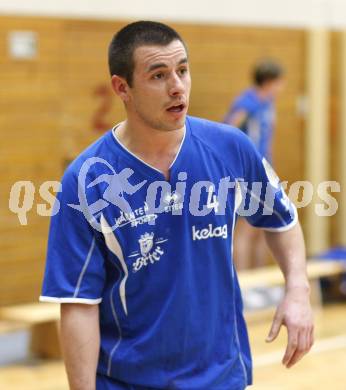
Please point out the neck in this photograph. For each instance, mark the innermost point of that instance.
(149, 141)
(262, 93)
(156, 147)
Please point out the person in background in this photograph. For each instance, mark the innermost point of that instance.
(253, 112)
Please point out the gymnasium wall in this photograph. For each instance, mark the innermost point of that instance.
(53, 106)
(334, 126)
(293, 13)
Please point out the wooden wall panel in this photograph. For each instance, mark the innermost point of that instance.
(30, 97)
(48, 108)
(86, 71)
(335, 107)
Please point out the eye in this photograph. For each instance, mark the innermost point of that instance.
(182, 71)
(158, 76)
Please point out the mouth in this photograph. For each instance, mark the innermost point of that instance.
(177, 108)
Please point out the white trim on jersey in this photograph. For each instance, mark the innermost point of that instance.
(142, 161)
(180, 146)
(86, 301)
(270, 209)
(275, 212)
(114, 246)
(284, 228)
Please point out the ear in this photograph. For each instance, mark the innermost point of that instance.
(120, 87)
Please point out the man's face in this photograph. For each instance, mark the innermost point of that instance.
(274, 87)
(161, 83)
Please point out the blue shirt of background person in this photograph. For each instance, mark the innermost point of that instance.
(253, 111)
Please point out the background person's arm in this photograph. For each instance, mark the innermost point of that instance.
(295, 310)
(238, 118)
(80, 342)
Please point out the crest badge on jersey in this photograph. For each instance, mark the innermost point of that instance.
(150, 251)
(146, 242)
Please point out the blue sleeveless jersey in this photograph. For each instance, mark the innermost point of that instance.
(156, 255)
(259, 122)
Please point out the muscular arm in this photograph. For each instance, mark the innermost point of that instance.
(288, 249)
(80, 342)
(294, 311)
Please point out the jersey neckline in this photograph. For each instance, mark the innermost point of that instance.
(144, 166)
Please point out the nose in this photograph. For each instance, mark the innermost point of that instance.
(176, 85)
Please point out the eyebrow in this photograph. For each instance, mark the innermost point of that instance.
(163, 65)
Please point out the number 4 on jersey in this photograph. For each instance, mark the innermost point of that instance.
(212, 202)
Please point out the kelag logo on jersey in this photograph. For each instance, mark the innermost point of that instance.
(209, 232)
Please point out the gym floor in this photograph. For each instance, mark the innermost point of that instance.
(311, 373)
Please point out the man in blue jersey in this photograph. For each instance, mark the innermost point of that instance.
(140, 246)
(253, 111)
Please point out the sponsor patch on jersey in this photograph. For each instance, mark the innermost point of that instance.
(209, 232)
(149, 252)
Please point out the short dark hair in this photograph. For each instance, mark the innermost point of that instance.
(267, 70)
(129, 38)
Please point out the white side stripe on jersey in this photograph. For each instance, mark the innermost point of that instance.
(87, 261)
(110, 358)
(114, 246)
(285, 225)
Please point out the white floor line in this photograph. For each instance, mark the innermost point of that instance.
(323, 345)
